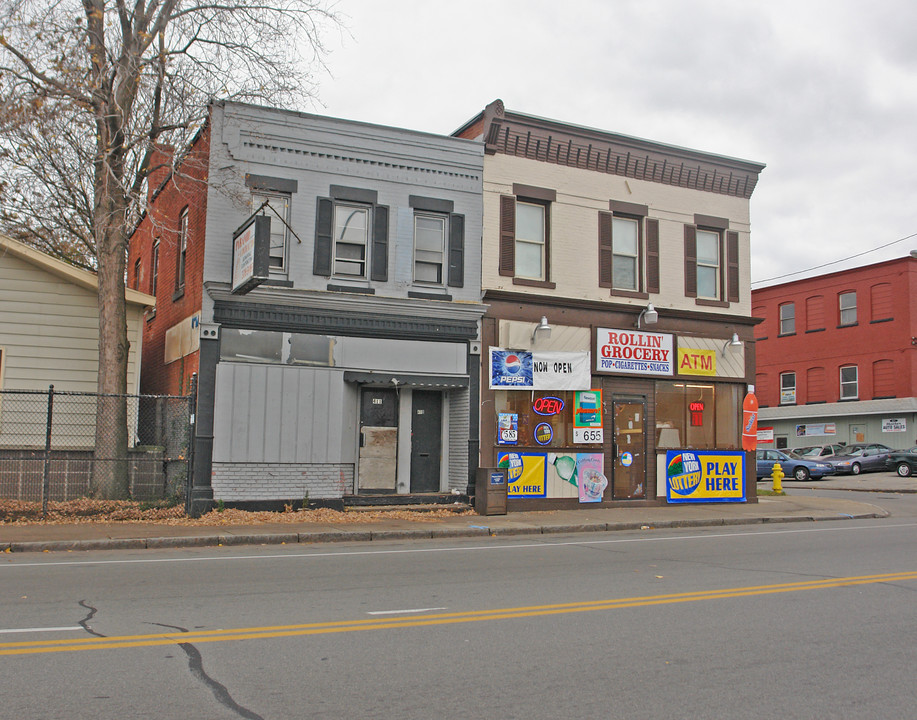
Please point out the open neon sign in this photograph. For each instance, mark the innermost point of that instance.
(697, 413)
(548, 405)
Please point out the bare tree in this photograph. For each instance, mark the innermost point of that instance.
(88, 89)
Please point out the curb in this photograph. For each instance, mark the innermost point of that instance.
(332, 536)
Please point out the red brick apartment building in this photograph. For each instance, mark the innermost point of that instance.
(837, 357)
(167, 261)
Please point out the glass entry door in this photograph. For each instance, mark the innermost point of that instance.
(628, 479)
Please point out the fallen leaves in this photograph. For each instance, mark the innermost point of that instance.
(86, 510)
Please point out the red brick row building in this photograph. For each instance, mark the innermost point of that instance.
(837, 356)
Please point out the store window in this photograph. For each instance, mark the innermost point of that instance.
(703, 416)
(541, 419)
(271, 346)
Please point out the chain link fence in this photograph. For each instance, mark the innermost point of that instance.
(62, 446)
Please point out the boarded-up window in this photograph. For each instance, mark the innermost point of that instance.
(883, 379)
(880, 302)
(762, 390)
(815, 385)
(815, 313)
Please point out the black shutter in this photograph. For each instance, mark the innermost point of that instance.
(606, 251)
(507, 235)
(380, 244)
(456, 251)
(324, 220)
(732, 266)
(690, 261)
(652, 255)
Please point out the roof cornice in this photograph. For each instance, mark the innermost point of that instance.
(511, 133)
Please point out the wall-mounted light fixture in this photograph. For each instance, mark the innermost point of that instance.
(542, 328)
(648, 315)
(732, 344)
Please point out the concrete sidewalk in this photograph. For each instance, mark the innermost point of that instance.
(135, 536)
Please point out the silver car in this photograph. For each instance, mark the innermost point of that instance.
(862, 457)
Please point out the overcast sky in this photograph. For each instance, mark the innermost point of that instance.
(823, 92)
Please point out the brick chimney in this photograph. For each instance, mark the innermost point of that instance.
(160, 168)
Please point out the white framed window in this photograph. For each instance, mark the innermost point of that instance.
(708, 264)
(154, 268)
(788, 388)
(277, 208)
(351, 233)
(182, 250)
(625, 233)
(847, 308)
(787, 318)
(429, 247)
(531, 240)
(849, 383)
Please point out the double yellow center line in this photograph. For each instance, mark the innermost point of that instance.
(278, 631)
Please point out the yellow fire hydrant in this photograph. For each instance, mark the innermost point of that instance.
(777, 476)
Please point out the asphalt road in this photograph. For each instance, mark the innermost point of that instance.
(805, 620)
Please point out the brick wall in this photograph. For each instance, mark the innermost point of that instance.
(281, 481)
(880, 343)
(184, 188)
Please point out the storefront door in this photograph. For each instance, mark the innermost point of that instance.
(378, 440)
(426, 440)
(628, 480)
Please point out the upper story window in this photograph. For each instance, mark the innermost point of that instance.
(154, 268)
(351, 235)
(628, 256)
(815, 313)
(847, 308)
(525, 235)
(137, 273)
(429, 248)
(276, 206)
(439, 242)
(708, 264)
(182, 250)
(849, 383)
(625, 235)
(788, 388)
(531, 240)
(711, 261)
(881, 302)
(787, 318)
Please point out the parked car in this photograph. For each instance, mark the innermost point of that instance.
(860, 457)
(903, 462)
(818, 452)
(794, 468)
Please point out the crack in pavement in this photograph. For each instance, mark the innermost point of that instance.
(196, 665)
(84, 623)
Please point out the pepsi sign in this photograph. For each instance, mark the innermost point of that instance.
(510, 368)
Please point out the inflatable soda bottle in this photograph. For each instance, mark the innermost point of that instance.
(750, 421)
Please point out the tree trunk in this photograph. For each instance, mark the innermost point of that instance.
(110, 470)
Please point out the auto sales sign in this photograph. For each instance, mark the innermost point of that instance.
(633, 352)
